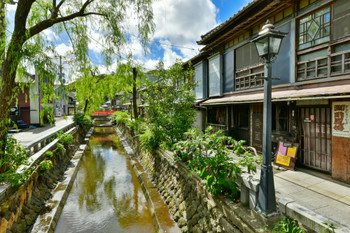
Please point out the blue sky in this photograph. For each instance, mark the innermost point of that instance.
(179, 24)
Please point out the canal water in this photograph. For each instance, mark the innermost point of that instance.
(106, 195)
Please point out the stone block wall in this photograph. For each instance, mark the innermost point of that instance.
(20, 205)
(192, 207)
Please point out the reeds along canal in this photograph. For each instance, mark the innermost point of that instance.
(106, 195)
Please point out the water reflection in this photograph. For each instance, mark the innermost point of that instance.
(106, 196)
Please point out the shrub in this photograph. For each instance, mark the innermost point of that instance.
(49, 154)
(148, 139)
(121, 117)
(81, 120)
(60, 149)
(66, 139)
(207, 156)
(13, 156)
(45, 166)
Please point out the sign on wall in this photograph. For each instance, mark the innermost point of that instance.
(341, 119)
(286, 154)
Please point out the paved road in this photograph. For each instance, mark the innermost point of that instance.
(28, 136)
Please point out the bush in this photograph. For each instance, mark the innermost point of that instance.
(148, 139)
(66, 139)
(45, 166)
(81, 120)
(207, 155)
(49, 154)
(60, 149)
(121, 117)
(14, 156)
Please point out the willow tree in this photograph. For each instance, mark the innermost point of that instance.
(128, 78)
(93, 88)
(27, 43)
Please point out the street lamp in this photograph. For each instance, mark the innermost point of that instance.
(268, 43)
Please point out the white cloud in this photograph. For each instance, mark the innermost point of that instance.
(50, 35)
(63, 49)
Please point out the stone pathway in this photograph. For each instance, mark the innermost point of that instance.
(317, 192)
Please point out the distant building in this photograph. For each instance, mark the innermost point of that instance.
(64, 103)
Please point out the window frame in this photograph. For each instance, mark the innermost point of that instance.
(314, 42)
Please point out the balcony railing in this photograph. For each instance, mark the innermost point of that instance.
(322, 67)
(245, 78)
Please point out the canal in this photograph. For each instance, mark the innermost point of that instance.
(106, 195)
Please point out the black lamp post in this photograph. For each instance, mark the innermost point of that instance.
(268, 43)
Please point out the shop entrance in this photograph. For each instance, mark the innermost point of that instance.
(316, 138)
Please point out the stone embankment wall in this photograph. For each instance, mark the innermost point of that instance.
(21, 205)
(192, 207)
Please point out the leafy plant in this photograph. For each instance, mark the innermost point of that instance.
(121, 117)
(286, 225)
(81, 120)
(45, 166)
(330, 225)
(66, 139)
(13, 157)
(60, 149)
(207, 155)
(49, 154)
(148, 139)
(59, 134)
(46, 115)
(250, 161)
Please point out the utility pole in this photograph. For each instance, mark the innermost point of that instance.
(134, 92)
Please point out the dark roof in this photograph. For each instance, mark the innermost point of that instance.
(231, 19)
(251, 14)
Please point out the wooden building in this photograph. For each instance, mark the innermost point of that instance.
(311, 99)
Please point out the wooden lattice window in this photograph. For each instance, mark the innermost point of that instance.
(315, 28)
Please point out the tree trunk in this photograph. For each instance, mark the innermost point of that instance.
(86, 105)
(134, 93)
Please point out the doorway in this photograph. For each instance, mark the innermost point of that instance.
(316, 138)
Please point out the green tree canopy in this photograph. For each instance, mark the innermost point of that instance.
(28, 46)
(170, 97)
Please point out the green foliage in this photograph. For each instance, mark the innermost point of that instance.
(207, 156)
(121, 117)
(60, 149)
(13, 157)
(59, 134)
(238, 146)
(250, 161)
(49, 154)
(287, 225)
(81, 119)
(45, 166)
(170, 100)
(148, 139)
(28, 46)
(66, 139)
(329, 225)
(46, 115)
